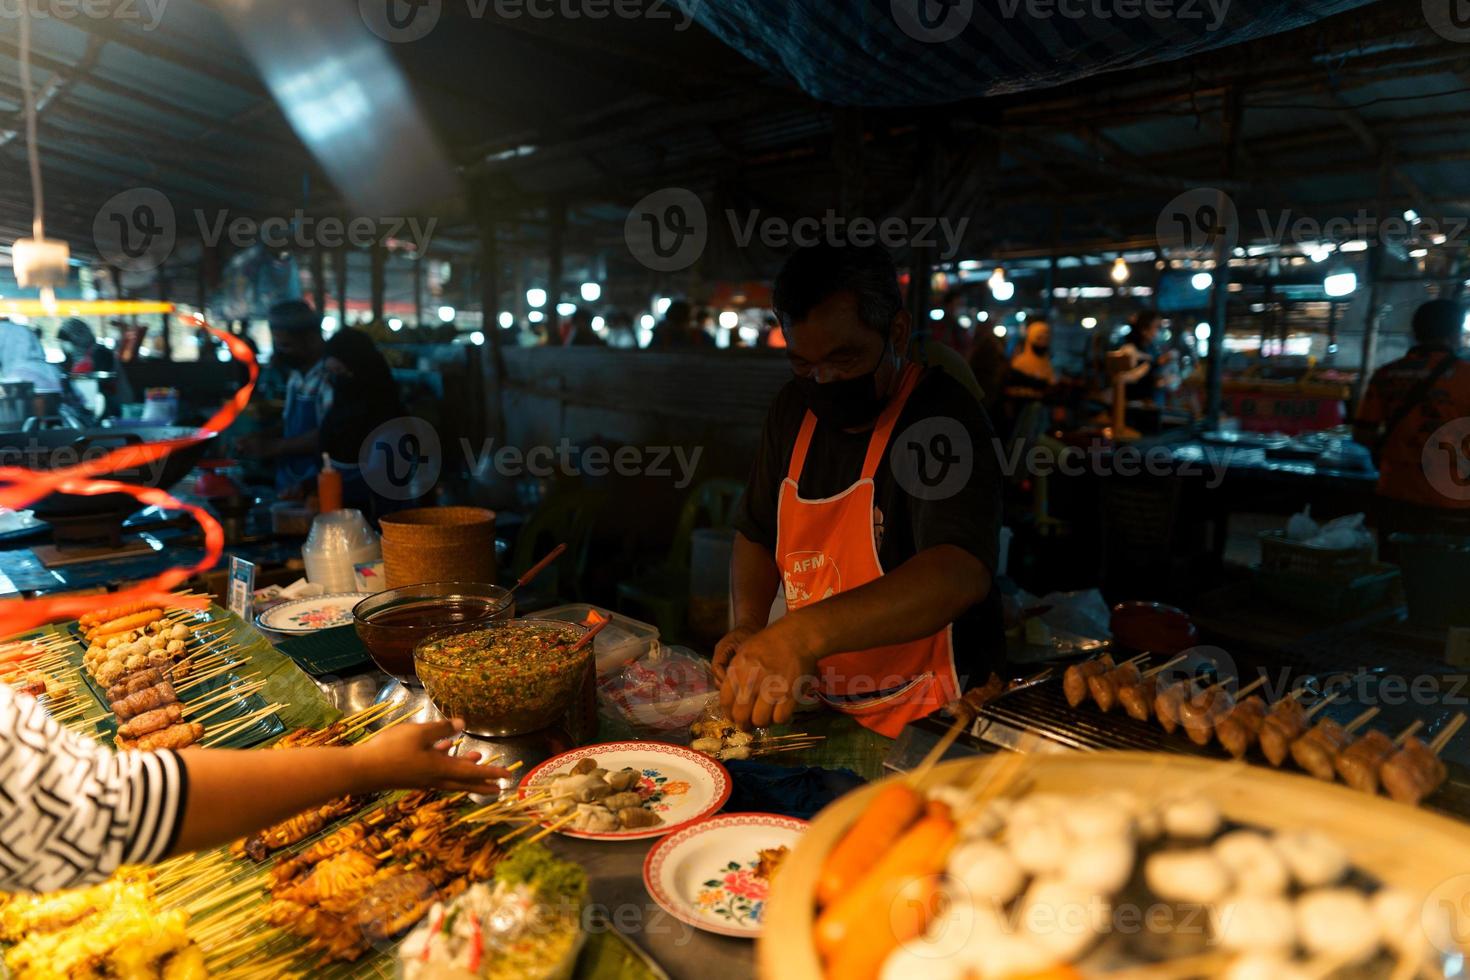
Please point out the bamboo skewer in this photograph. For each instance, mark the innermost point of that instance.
(936, 753)
(552, 828)
(1449, 732)
(1404, 735)
(1361, 720)
(235, 726)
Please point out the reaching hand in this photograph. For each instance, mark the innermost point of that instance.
(765, 680)
(730, 645)
(417, 757)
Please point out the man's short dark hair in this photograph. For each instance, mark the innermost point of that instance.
(294, 316)
(817, 273)
(1439, 321)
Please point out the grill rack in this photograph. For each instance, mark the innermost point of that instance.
(1043, 711)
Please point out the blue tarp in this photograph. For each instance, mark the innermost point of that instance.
(932, 52)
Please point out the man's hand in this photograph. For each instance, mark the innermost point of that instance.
(768, 674)
(730, 645)
(417, 757)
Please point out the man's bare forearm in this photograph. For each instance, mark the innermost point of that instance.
(755, 579)
(917, 599)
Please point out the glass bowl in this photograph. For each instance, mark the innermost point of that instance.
(506, 678)
(390, 624)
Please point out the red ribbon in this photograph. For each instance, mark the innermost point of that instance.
(20, 487)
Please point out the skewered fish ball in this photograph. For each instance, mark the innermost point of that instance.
(1102, 864)
(1194, 817)
(986, 872)
(1315, 860)
(1195, 876)
(1063, 917)
(1256, 865)
(1337, 922)
(1264, 966)
(1040, 847)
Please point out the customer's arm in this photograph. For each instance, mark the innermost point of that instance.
(74, 811)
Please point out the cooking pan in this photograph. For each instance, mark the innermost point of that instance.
(38, 448)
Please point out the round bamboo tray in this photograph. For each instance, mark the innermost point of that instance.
(1414, 849)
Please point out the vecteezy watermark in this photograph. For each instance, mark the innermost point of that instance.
(933, 459)
(1210, 14)
(933, 21)
(1098, 459)
(403, 458)
(1199, 221)
(404, 21)
(137, 229)
(148, 14)
(668, 230)
(1446, 460)
(1450, 19)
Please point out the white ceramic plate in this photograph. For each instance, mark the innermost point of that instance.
(312, 615)
(679, 784)
(705, 874)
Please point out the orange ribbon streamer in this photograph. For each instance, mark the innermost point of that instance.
(20, 487)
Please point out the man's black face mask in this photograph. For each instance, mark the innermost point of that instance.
(847, 403)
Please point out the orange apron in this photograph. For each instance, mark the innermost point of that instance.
(824, 547)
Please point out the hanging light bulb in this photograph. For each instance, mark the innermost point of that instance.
(1001, 287)
(1120, 270)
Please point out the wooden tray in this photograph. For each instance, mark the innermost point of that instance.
(1399, 845)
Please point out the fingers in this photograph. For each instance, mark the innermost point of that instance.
(434, 732)
(739, 694)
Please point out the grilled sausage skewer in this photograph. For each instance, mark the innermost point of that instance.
(1074, 681)
(1138, 699)
(1200, 714)
(1238, 725)
(1415, 771)
(1317, 750)
(1359, 763)
(1287, 722)
(1104, 686)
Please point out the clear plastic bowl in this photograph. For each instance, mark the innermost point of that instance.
(390, 624)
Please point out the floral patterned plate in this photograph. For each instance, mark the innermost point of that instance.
(680, 785)
(707, 873)
(311, 615)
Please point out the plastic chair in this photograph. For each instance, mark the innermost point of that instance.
(662, 592)
(569, 516)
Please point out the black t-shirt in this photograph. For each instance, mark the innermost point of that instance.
(964, 508)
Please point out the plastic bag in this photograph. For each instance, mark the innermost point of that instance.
(1342, 534)
(669, 689)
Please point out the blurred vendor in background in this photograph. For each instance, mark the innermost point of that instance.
(364, 397)
(23, 361)
(298, 347)
(1413, 422)
(1149, 358)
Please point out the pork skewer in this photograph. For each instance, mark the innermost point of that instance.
(1240, 728)
(1169, 700)
(1200, 714)
(1414, 772)
(1138, 699)
(1285, 723)
(1074, 681)
(1317, 750)
(1104, 687)
(1359, 763)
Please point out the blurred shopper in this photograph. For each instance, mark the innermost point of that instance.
(1149, 357)
(1402, 421)
(297, 347)
(364, 397)
(579, 332)
(85, 355)
(678, 330)
(1031, 372)
(23, 359)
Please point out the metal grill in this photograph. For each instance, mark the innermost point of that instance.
(1043, 711)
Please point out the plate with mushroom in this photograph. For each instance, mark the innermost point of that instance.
(626, 790)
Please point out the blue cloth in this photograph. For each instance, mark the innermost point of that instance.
(856, 52)
(308, 397)
(791, 792)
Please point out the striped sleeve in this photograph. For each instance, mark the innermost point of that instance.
(71, 810)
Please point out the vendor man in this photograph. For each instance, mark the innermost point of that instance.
(297, 346)
(874, 506)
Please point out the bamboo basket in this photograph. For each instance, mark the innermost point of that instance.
(439, 544)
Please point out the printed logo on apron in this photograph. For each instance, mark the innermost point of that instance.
(810, 576)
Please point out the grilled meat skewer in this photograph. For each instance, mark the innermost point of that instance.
(1074, 681)
(1241, 728)
(1286, 722)
(1359, 764)
(1104, 687)
(1317, 750)
(1415, 772)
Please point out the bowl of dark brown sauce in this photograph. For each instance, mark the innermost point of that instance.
(391, 624)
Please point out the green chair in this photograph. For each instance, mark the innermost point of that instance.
(567, 515)
(662, 592)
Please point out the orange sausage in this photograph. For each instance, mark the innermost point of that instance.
(100, 616)
(919, 853)
(124, 624)
(892, 810)
(915, 905)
